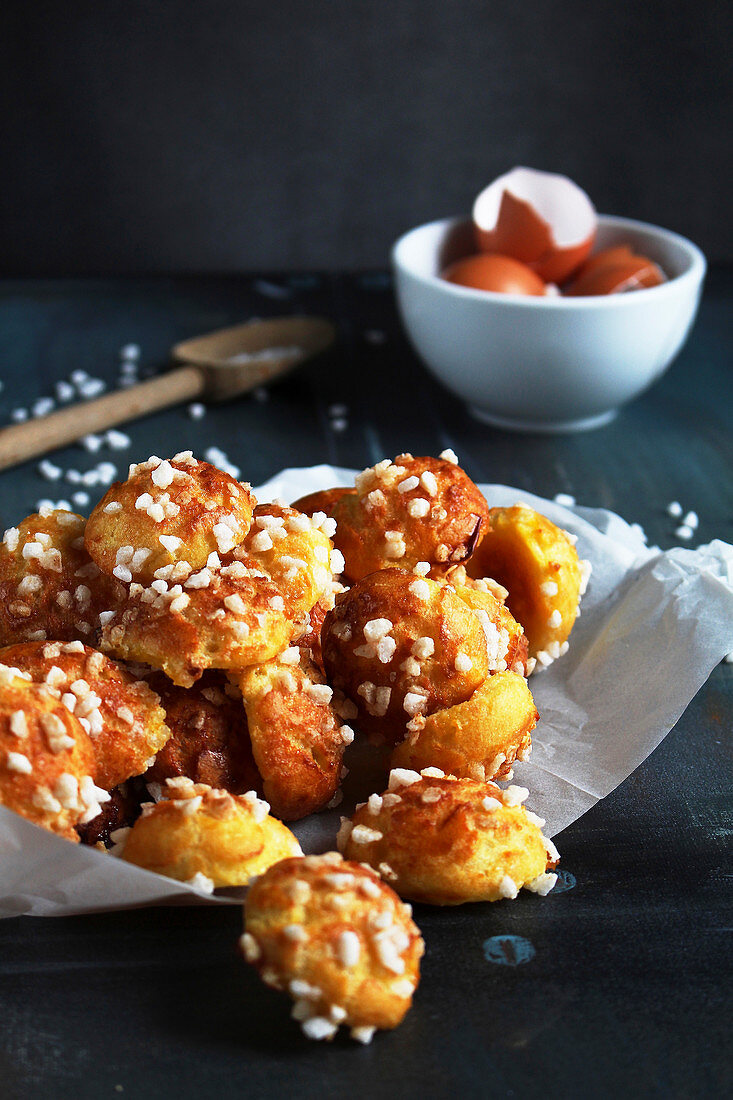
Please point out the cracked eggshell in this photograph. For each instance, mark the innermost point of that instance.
(540, 218)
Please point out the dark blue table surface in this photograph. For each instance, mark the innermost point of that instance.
(628, 990)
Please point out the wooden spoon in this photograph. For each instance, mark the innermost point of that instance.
(219, 366)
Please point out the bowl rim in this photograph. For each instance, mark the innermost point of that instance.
(693, 275)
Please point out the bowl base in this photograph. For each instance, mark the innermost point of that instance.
(548, 427)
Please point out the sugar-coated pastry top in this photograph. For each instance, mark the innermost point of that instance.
(49, 586)
(408, 511)
(401, 645)
(445, 841)
(209, 836)
(167, 512)
(46, 757)
(338, 939)
(121, 714)
(296, 553)
(227, 615)
(205, 587)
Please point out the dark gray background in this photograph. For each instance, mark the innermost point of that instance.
(225, 135)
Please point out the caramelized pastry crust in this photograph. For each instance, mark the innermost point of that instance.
(119, 813)
(506, 642)
(322, 501)
(209, 737)
(226, 616)
(49, 586)
(209, 836)
(122, 716)
(46, 758)
(408, 511)
(400, 646)
(295, 551)
(240, 607)
(297, 740)
(445, 841)
(166, 513)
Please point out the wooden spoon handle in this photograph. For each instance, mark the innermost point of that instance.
(35, 437)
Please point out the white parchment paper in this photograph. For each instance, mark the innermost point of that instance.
(652, 628)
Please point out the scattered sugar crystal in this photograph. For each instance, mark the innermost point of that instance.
(318, 1027)
(348, 949)
(92, 388)
(463, 663)
(515, 796)
(49, 470)
(117, 440)
(542, 884)
(363, 1034)
(508, 887)
(218, 458)
(420, 589)
(106, 472)
(43, 406)
(64, 391)
(163, 475)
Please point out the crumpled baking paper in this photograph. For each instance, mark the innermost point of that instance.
(652, 628)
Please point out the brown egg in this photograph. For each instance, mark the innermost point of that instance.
(543, 219)
(619, 254)
(615, 271)
(489, 271)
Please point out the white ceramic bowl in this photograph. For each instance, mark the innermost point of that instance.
(546, 364)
